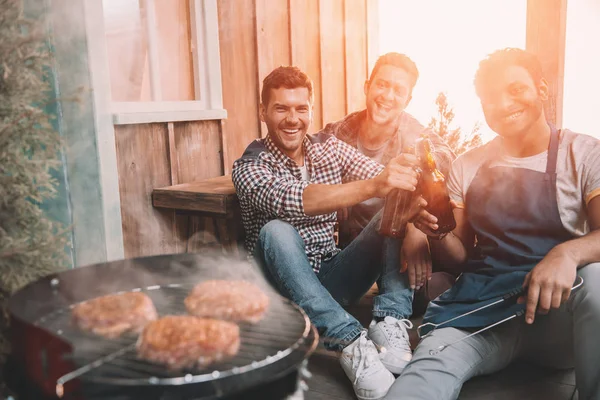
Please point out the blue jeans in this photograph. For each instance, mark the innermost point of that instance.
(563, 338)
(342, 280)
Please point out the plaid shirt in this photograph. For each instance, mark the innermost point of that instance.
(269, 186)
(409, 130)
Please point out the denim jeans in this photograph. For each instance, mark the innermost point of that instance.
(342, 280)
(563, 338)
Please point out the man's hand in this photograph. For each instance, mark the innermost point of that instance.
(426, 222)
(416, 258)
(399, 173)
(549, 283)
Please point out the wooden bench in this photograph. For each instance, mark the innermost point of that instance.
(215, 199)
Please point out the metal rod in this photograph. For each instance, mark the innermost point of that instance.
(437, 350)
(86, 368)
(435, 326)
(504, 298)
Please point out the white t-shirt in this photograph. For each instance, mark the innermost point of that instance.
(304, 172)
(577, 168)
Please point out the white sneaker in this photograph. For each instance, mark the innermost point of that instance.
(391, 338)
(361, 363)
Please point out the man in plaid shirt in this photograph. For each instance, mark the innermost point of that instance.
(290, 186)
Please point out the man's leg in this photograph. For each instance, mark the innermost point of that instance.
(586, 325)
(351, 273)
(441, 376)
(280, 251)
(368, 258)
(567, 337)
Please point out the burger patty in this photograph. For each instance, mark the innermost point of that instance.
(185, 341)
(229, 300)
(111, 316)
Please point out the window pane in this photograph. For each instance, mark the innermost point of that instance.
(127, 48)
(175, 57)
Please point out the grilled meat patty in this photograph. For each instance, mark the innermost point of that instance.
(184, 341)
(229, 300)
(111, 316)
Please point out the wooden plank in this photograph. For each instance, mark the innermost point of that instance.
(305, 43)
(88, 131)
(328, 380)
(173, 159)
(372, 33)
(143, 164)
(125, 118)
(333, 72)
(546, 32)
(198, 150)
(272, 39)
(237, 38)
(215, 196)
(355, 14)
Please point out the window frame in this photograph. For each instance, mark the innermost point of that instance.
(206, 64)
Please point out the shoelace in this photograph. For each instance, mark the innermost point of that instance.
(367, 356)
(398, 334)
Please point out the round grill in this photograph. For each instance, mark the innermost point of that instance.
(269, 349)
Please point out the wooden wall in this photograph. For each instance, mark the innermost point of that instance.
(328, 39)
(151, 156)
(546, 33)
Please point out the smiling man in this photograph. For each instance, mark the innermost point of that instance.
(290, 185)
(383, 131)
(527, 217)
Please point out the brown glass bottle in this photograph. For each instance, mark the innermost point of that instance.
(396, 210)
(432, 187)
(395, 213)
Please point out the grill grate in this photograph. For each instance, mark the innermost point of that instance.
(114, 361)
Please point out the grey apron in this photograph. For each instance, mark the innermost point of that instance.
(514, 213)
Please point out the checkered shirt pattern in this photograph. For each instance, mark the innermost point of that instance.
(269, 186)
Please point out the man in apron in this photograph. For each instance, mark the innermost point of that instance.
(528, 213)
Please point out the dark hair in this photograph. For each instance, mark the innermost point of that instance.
(490, 67)
(396, 60)
(287, 77)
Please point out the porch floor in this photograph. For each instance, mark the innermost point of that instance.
(519, 381)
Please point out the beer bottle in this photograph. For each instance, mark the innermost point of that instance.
(432, 186)
(396, 211)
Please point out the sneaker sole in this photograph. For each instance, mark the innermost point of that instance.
(378, 397)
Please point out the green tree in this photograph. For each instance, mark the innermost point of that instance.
(31, 245)
(454, 137)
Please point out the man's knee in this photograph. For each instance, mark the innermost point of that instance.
(277, 232)
(589, 294)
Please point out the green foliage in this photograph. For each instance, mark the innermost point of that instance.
(440, 124)
(31, 245)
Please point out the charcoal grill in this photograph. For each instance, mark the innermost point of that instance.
(50, 353)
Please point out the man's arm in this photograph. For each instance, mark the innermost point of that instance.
(549, 283)
(324, 199)
(254, 181)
